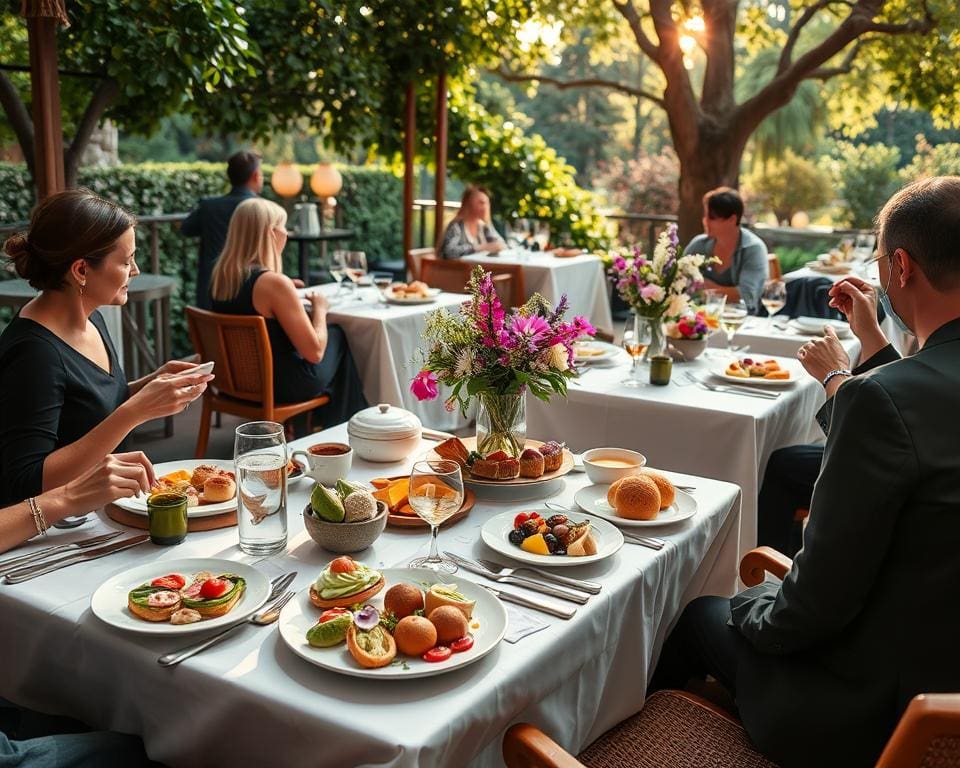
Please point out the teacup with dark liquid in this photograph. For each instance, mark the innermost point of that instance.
(326, 462)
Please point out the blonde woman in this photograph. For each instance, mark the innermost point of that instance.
(471, 230)
(309, 357)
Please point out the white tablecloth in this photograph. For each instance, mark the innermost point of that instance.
(384, 339)
(251, 701)
(580, 277)
(683, 427)
(777, 337)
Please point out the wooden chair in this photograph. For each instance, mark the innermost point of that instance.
(774, 272)
(414, 257)
(518, 291)
(680, 730)
(453, 276)
(240, 347)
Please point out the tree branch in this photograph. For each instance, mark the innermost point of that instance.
(825, 73)
(589, 82)
(629, 12)
(19, 118)
(808, 13)
(107, 90)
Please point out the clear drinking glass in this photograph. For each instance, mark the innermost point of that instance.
(636, 339)
(338, 269)
(774, 296)
(260, 458)
(356, 262)
(436, 493)
(734, 315)
(382, 280)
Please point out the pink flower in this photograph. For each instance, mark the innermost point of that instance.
(651, 292)
(424, 386)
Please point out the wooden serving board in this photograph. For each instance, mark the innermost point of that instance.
(415, 521)
(471, 445)
(210, 523)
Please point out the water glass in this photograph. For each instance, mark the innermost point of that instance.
(260, 458)
(338, 268)
(356, 270)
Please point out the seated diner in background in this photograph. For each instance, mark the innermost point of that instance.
(743, 255)
(117, 476)
(64, 400)
(310, 358)
(867, 617)
(471, 230)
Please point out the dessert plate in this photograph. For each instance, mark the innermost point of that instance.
(138, 504)
(592, 499)
(109, 602)
(495, 531)
(488, 625)
(471, 445)
(593, 351)
(431, 297)
(721, 373)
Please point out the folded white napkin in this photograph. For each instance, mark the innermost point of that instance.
(521, 624)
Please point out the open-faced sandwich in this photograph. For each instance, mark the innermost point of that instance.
(205, 485)
(170, 598)
(748, 368)
(557, 535)
(345, 582)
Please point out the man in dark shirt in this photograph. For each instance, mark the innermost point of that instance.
(211, 218)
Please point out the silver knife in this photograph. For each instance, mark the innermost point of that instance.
(743, 391)
(522, 581)
(527, 602)
(32, 571)
(19, 561)
(586, 586)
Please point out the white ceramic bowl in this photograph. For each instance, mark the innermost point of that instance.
(384, 433)
(603, 474)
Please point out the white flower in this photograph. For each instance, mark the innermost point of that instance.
(558, 357)
(678, 303)
(464, 364)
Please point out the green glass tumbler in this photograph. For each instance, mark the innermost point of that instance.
(661, 367)
(167, 514)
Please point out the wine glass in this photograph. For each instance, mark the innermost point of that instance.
(436, 493)
(636, 339)
(382, 280)
(338, 269)
(774, 296)
(733, 316)
(713, 304)
(356, 263)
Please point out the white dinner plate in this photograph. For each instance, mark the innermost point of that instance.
(815, 325)
(721, 373)
(138, 504)
(488, 625)
(592, 499)
(593, 351)
(495, 531)
(829, 269)
(109, 602)
(431, 297)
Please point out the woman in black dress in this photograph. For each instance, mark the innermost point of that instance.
(64, 401)
(309, 357)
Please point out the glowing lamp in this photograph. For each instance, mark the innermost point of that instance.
(286, 180)
(326, 181)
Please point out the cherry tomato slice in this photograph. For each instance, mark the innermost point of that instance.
(172, 581)
(214, 588)
(332, 613)
(465, 643)
(440, 653)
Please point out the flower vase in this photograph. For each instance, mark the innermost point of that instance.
(658, 338)
(501, 423)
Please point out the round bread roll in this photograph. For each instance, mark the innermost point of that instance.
(219, 488)
(203, 473)
(667, 492)
(612, 492)
(637, 498)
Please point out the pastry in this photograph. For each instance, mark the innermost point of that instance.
(667, 491)
(447, 594)
(218, 488)
(453, 449)
(203, 473)
(486, 469)
(552, 453)
(416, 635)
(372, 648)
(532, 464)
(580, 541)
(449, 622)
(508, 469)
(637, 498)
(403, 600)
(345, 582)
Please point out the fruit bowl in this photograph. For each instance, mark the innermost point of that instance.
(344, 538)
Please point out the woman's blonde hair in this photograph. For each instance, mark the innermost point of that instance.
(250, 243)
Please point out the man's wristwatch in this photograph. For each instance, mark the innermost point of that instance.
(836, 372)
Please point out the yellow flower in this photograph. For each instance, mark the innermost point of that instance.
(558, 357)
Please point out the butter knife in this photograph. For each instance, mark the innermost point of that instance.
(528, 602)
(20, 561)
(521, 581)
(32, 571)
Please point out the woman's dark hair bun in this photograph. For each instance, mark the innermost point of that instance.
(17, 248)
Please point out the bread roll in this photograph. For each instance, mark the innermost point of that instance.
(219, 488)
(667, 491)
(612, 491)
(637, 498)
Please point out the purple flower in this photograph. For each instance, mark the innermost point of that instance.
(620, 263)
(424, 386)
(672, 234)
(529, 330)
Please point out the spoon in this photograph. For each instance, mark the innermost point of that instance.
(72, 521)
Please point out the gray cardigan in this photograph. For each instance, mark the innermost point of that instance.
(748, 269)
(456, 244)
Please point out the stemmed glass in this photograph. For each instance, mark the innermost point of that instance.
(734, 315)
(356, 263)
(713, 304)
(436, 493)
(383, 281)
(774, 296)
(636, 339)
(338, 269)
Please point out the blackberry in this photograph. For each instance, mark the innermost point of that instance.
(551, 541)
(516, 536)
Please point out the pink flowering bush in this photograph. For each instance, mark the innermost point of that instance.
(485, 349)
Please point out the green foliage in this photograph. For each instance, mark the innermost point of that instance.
(791, 258)
(941, 160)
(787, 186)
(865, 177)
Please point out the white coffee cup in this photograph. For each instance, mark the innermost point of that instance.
(326, 462)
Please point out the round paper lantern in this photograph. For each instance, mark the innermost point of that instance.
(326, 181)
(800, 220)
(286, 180)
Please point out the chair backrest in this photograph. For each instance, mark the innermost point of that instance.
(518, 293)
(239, 345)
(503, 285)
(414, 258)
(451, 276)
(774, 272)
(928, 733)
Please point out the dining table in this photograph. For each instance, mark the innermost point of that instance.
(779, 337)
(683, 426)
(385, 340)
(250, 700)
(581, 278)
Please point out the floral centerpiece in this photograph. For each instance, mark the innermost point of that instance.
(688, 333)
(487, 353)
(659, 288)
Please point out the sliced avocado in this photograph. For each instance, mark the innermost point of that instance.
(239, 584)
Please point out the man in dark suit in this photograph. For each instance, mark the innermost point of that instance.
(211, 218)
(823, 664)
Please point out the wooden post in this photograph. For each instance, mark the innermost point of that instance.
(408, 170)
(45, 91)
(441, 157)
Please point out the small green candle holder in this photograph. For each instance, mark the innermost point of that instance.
(661, 366)
(167, 514)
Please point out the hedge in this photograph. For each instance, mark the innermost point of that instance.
(370, 201)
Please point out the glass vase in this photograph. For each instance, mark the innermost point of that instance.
(658, 338)
(501, 423)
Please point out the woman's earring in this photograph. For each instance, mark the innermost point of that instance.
(82, 286)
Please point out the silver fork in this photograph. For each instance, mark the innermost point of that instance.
(734, 390)
(265, 617)
(563, 593)
(587, 586)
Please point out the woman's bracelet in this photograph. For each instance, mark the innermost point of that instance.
(836, 372)
(37, 514)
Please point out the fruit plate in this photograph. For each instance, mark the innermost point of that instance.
(138, 504)
(592, 499)
(721, 373)
(431, 297)
(488, 625)
(471, 445)
(495, 531)
(415, 521)
(109, 602)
